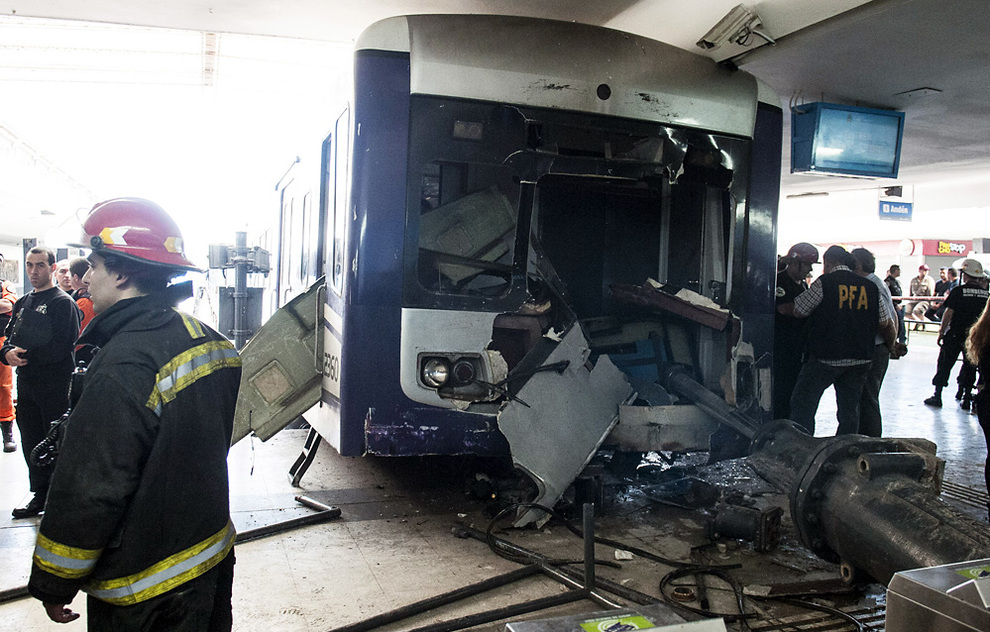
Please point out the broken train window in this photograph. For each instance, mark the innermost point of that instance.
(603, 201)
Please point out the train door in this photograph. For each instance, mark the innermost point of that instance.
(334, 187)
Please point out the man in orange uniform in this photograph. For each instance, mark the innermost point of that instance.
(80, 294)
(7, 300)
(80, 289)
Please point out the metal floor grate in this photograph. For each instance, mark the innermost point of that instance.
(871, 618)
(967, 495)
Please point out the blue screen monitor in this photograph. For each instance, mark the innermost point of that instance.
(827, 138)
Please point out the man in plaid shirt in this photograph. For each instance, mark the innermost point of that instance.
(845, 315)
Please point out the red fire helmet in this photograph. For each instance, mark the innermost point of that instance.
(136, 229)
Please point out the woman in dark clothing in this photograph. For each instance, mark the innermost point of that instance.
(978, 352)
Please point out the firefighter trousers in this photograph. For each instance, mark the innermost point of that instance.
(200, 605)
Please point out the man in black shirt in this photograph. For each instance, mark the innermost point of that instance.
(949, 281)
(41, 335)
(895, 290)
(963, 306)
(789, 337)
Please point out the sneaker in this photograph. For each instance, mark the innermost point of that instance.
(934, 401)
(33, 508)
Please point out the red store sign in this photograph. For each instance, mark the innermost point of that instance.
(946, 247)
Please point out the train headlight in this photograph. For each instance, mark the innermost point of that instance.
(463, 372)
(435, 372)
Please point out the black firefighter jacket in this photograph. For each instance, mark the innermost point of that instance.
(138, 503)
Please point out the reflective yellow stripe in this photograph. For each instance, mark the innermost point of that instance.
(62, 560)
(193, 326)
(165, 575)
(189, 366)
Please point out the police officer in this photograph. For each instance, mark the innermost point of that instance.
(870, 418)
(963, 306)
(137, 512)
(789, 337)
(845, 313)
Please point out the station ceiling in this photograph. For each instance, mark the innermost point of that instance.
(928, 58)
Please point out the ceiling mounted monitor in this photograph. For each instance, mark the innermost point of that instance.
(832, 139)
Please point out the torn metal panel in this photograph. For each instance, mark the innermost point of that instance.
(279, 378)
(558, 420)
(663, 428)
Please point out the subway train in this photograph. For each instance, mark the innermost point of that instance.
(500, 186)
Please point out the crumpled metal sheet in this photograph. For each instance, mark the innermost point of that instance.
(569, 415)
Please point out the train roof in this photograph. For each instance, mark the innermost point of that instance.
(564, 65)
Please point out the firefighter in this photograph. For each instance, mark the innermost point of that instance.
(7, 300)
(137, 513)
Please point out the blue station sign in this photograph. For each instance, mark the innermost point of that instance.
(898, 211)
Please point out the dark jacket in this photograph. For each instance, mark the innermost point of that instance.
(50, 357)
(138, 503)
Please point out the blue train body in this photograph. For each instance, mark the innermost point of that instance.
(496, 191)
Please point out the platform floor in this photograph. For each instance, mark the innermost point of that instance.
(393, 543)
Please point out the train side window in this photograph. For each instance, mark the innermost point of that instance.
(338, 168)
(308, 248)
(285, 247)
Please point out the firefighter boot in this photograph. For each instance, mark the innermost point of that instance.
(7, 428)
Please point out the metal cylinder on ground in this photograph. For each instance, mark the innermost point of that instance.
(867, 503)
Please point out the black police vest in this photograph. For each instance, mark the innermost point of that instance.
(844, 325)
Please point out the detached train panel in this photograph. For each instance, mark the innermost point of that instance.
(502, 186)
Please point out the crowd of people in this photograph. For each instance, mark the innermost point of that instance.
(843, 329)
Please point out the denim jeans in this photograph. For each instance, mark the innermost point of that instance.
(815, 377)
(870, 422)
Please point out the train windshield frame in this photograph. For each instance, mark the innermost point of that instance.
(504, 202)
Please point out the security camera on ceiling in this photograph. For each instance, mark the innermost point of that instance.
(736, 27)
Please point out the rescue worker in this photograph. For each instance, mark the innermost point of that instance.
(43, 327)
(963, 306)
(138, 513)
(80, 291)
(845, 315)
(789, 332)
(7, 300)
(78, 268)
